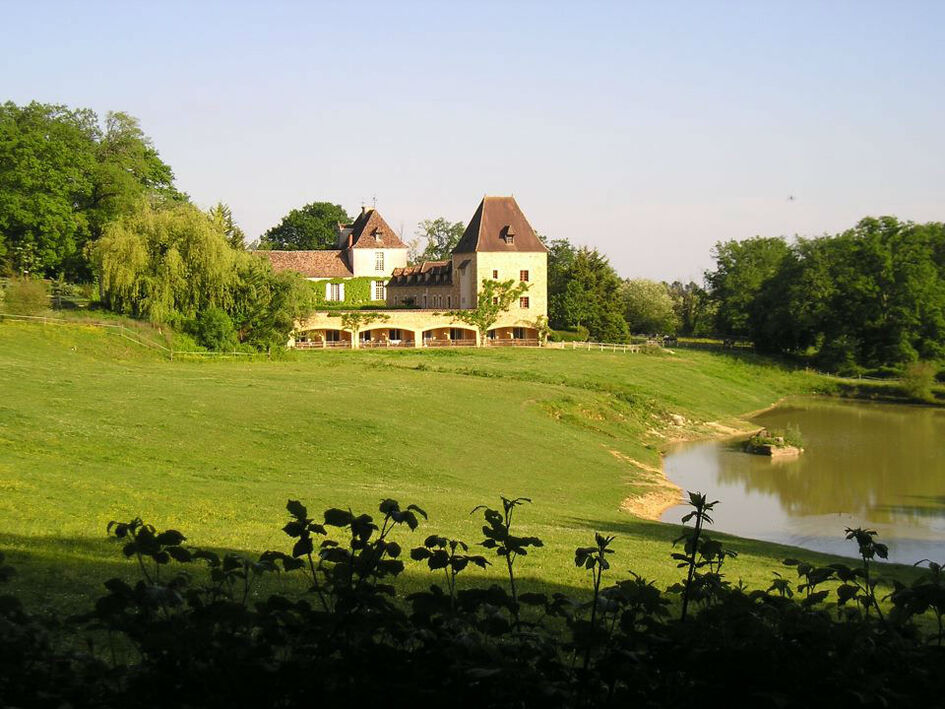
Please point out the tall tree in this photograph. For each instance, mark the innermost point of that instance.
(126, 167)
(222, 217)
(441, 237)
(584, 290)
(63, 176)
(47, 164)
(742, 268)
(649, 307)
(694, 311)
(308, 228)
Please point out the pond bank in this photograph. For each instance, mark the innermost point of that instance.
(870, 465)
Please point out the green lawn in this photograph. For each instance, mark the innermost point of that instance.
(94, 428)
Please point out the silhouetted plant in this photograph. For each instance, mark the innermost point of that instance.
(852, 589)
(449, 555)
(926, 593)
(594, 559)
(700, 552)
(498, 536)
(813, 577)
(192, 630)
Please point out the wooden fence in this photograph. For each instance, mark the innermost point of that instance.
(125, 333)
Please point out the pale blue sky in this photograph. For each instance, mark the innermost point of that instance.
(650, 130)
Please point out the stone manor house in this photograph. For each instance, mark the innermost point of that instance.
(498, 244)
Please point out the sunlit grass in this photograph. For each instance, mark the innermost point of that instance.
(94, 428)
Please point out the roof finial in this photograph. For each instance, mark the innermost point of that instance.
(374, 202)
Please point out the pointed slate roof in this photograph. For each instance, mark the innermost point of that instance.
(370, 231)
(495, 220)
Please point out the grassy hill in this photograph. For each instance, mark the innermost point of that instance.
(95, 428)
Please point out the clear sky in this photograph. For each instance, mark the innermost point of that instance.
(650, 130)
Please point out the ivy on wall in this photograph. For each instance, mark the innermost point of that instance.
(358, 291)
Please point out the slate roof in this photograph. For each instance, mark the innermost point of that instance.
(329, 263)
(432, 273)
(370, 231)
(496, 219)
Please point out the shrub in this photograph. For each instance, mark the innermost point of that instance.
(197, 632)
(214, 330)
(25, 296)
(917, 381)
(579, 334)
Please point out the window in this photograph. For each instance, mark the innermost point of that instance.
(495, 275)
(332, 336)
(491, 334)
(335, 291)
(378, 260)
(379, 288)
(457, 333)
(523, 303)
(449, 301)
(424, 300)
(518, 333)
(523, 276)
(366, 336)
(495, 301)
(394, 334)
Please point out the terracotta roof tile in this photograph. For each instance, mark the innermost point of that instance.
(311, 264)
(432, 272)
(370, 231)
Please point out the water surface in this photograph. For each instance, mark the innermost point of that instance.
(871, 465)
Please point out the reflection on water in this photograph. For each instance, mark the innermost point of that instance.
(871, 465)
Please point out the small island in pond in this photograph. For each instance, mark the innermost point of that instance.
(776, 444)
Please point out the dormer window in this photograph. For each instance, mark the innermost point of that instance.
(508, 234)
(376, 234)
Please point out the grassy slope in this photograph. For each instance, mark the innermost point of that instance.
(93, 428)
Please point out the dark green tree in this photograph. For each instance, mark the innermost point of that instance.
(309, 228)
(47, 166)
(63, 177)
(742, 268)
(694, 310)
(585, 290)
(441, 237)
(871, 296)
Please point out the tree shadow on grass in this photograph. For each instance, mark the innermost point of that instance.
(663, 532)
(67, 574)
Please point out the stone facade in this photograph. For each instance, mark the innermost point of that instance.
(498, 244)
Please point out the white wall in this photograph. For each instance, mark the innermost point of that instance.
(363, 260)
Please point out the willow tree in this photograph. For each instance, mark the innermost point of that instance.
(164, 265)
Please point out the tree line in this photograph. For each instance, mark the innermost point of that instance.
(872, 296)
(85, 199)
(89, 200)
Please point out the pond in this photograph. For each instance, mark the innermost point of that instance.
(867, 465)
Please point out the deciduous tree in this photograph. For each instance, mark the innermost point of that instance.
(440, 236)
(648, 307)
(310, 227)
